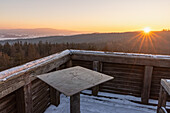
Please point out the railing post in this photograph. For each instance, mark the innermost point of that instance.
(24, 97)
(97, 66)
(146, 84)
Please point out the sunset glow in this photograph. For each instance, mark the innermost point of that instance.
(147, 30)
(88, 15)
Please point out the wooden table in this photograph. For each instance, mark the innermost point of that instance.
(72, 81)
(164, 92)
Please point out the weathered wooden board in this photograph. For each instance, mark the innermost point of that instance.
(86, 64)
(18, 81)
(128, 79)
(8, 104)
(75, 103)
(162, 96)
(128, 72)
(147, 84)
(128, 69)
(166, 85)
(40, 96)
(24, 99)
(73, 80)
(54, 96)
(158, 74)
(122, 59)
(97, 66)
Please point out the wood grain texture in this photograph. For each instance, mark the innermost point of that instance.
(128, 78)
(162, 99)
(18, 81)
(125, 58)
(96, 67)
(40, 96)
(158, 74)
(75, 103)
(54, 96)
(86, 64)
(73, 80)
(24, 99)
(8, 103)
(146, 84)
(128, 71)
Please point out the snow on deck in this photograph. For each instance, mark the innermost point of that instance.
(105, 103)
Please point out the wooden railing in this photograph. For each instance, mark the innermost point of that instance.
(22, 92)
(135, 74)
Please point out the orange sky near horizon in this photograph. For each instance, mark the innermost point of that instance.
(86, 15)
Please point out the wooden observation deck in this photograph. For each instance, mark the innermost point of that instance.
(134, 74)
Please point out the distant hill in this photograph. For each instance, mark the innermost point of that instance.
(80, 38)
(25, 33)
(95, 38)
(156, 43)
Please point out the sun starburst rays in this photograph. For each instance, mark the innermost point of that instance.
(146, 42)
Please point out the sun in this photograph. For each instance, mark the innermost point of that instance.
(147, 29)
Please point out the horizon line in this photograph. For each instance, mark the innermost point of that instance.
(82, 31)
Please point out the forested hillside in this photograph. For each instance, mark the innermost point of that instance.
(13, 54)
(18, 53)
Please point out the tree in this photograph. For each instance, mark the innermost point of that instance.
(32, 52)
(6, 48)
(4, 61)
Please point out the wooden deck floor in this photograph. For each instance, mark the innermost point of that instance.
(105, 103)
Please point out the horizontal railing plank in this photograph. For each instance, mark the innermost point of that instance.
(122, 58)
(15, 82)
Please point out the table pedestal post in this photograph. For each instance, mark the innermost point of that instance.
(75, 103)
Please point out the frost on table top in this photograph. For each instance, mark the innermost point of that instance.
(6, 74)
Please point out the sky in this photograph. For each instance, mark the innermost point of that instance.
(86, 15)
